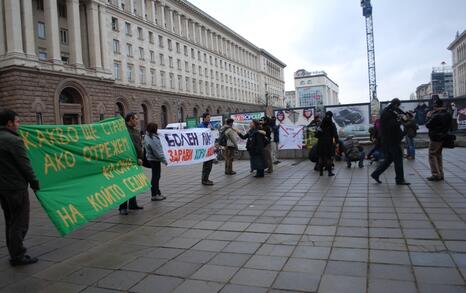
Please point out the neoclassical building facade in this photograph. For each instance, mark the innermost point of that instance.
(81, 61)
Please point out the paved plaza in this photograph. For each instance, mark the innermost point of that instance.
(292, 231)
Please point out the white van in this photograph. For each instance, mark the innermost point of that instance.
(179, 125)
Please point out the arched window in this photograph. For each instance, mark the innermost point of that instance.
(164, 116)
(144, 119)
(195, 112)
(181, 114)
(120, 109)
(71, 106)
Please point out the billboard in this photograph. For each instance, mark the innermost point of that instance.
(295, 116)
(351, 119)
(241, 123)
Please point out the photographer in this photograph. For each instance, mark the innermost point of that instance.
(391, 135)
(438, 123)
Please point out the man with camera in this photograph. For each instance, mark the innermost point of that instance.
(391, 135)
(438, 123)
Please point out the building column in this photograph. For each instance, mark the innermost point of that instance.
(131, 6)
(170, 16)
(94, 36)
(187, 28)
(180, 30)
(119, 4)
(14, 41)
(74, 27)
(162, 16)
(103, 18)
(143, 9)
(2, 31)
(28, 28)
(53, 32)
(154, 12)
(194, 32)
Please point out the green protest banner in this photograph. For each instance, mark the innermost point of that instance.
(84, 170)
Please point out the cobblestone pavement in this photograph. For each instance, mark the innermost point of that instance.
(290, 231)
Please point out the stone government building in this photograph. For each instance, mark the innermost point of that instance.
(81, 61)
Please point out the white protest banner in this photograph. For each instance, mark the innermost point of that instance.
(183, 147)
(291, 137)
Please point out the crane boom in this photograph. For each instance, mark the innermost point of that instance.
(367, 12)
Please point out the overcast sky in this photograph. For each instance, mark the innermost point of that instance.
(411, 36)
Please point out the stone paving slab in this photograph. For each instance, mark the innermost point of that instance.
(292, 231)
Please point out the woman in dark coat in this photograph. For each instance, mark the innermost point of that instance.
(256, 147)
(327, 135)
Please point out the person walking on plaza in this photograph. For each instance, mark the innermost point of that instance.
(311, 140)
(15, 174)
(438, 123)
(411, 128)
(230, 147)
(131, 120)
(454, 117)
(391, 136)
(207, 165)
(155, 156)
(326, 135)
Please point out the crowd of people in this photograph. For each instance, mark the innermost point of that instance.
(262, 138)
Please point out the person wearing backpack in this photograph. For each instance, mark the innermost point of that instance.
(353, 152)
(227, 140)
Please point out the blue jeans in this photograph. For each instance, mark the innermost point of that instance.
(410, 147)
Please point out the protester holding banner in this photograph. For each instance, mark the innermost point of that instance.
(15, 175)
(207, 165)
(131, 120)
(155, 156)
(326, 135)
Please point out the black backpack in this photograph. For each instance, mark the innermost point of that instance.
(222, 139)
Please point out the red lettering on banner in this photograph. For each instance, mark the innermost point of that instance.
(211, 151)
(181, 155)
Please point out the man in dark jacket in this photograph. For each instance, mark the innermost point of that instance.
(207, 165)
(438, 123)
(411, 128)
(131, 120)
(15, 175)
(391, 135)
(275, 139)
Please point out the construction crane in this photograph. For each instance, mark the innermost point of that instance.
(367, 12)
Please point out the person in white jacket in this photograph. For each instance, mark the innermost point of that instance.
(155, 156)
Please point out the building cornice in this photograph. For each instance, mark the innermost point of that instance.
(457, 40)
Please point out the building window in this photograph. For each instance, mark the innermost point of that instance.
(162, 59)
(186, 66)
(200, 70)
(185, 48)
(128, 28)
(151, 37)
(140, 33)
(61, 10)
(169, 44)
(187, 84)
(153, 77)
(194, 85)
(141, 53)
(205, 58)
(162, 79)
(115, 24)
(142, 74)
(170, 61)
(152, 56)
(101, 116)
(199, 55)
(161, 41)
(42, 54)
(65, 59)
(180, 82)
(40, 5)
(194, 68)
(64, 36)
(41, 30)
(178, 63)
(193, 55)
(116, 71)
(39, 120)
(178, 50)
(129, 72)
(172, 81)
(206, 72)
(116, 47)
(129, 48)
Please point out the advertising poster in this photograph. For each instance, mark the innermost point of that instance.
(241, 123)
(84, 170)
(420, 108)
(351, 119)
(296, 116)
(291, 137)
(187, 146)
